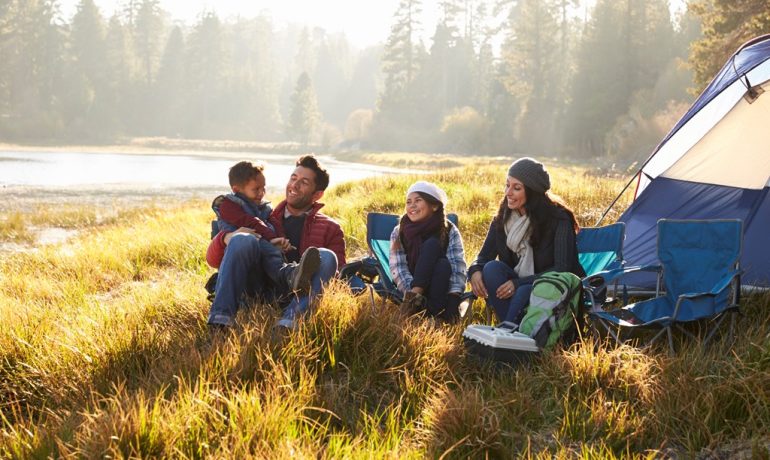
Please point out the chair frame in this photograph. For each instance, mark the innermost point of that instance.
(667, 323)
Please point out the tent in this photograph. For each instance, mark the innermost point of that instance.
(715, 163)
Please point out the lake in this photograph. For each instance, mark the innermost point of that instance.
(114, 181)
(156, 171)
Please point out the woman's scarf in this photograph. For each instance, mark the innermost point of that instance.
(517, 240)
(414, 233)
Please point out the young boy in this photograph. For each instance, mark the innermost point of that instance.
(245, 208)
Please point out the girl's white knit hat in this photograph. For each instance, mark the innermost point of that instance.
(429, 188)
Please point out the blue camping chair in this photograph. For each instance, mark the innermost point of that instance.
(700, 275)
(373, 271)
(600, 253)
(601, 248)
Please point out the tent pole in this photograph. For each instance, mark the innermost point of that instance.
(606, 211)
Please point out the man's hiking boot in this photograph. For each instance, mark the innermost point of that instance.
(300, 276)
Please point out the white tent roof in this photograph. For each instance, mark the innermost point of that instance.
(725, 143)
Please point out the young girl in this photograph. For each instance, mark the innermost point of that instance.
(427, 259)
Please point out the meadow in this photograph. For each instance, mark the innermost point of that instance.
(104, 352)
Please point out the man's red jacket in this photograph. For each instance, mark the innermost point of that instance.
(319, 230)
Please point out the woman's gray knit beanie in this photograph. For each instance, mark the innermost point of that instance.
(531, 173)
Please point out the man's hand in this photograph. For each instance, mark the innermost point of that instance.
(244, 230)
(282, 243)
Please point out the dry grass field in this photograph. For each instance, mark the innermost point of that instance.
(104, 352)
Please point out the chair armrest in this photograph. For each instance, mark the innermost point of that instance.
(725, 281)
(611, 275)
(718, 287)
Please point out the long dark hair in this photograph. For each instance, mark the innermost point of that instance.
(443, 234)
(542, 209)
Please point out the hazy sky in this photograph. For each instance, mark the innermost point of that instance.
(364, 22)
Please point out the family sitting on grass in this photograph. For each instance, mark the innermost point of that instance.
(289, 253)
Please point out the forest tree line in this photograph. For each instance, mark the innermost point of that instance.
(539, 77)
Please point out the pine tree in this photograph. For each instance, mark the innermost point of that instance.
(89, 79)
(401, 58)
(118, 72)
(7, 31)
(304, 118)
(207, 73)
(148, 27)
(614, 63)
(529, 54)
(171, 85)
(33, 44)
(254, 95)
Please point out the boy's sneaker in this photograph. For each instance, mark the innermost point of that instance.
(299, 278)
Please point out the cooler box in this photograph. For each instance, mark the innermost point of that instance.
(499, 344)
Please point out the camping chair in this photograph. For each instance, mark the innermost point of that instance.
(699, 271)
(373, 271)
(600, 253)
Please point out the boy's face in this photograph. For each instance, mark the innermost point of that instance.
(253, 189)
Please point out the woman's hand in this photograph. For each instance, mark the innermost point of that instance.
(245, 230)
(477, 285)
(506, 290)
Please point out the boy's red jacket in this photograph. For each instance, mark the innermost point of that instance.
(319, 230)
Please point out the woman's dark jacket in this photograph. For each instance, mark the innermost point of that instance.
(557, 250)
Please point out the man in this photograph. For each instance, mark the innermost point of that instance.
(238, 257)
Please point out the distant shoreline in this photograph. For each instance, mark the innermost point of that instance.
(234, 150)
(240, 150)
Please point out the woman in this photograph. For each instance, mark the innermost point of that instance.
(532, 233)
(427, 259)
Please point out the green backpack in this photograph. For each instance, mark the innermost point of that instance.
(554, 306)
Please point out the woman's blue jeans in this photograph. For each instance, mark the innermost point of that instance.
(494, 274)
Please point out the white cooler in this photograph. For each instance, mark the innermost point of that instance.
(499, 344)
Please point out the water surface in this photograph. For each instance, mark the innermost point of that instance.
(77, 169)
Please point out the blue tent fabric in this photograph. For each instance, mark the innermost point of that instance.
(756, 263)
(666, 197)
(677, 199)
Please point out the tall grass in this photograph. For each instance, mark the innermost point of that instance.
(104, 352)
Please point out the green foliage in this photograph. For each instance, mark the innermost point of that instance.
(625, 50)
(726, 25)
